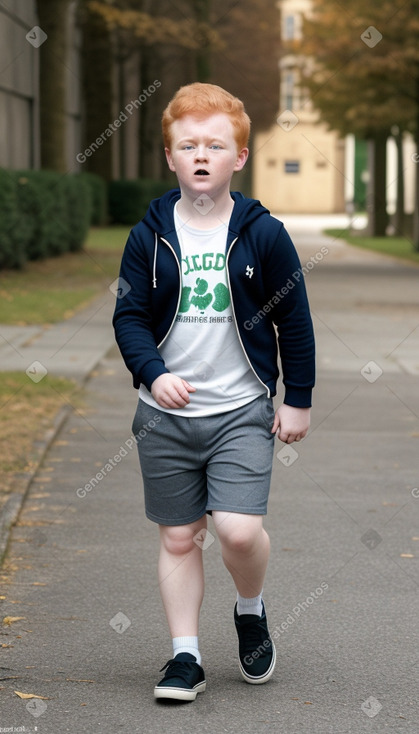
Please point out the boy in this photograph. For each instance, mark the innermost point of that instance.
(206, 275)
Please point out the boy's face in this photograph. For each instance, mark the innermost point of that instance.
(204, 154)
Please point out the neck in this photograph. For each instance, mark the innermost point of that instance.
(204, 212)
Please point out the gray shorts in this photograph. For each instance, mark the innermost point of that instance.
(191, 466)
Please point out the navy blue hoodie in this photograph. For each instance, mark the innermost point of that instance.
(266, 288)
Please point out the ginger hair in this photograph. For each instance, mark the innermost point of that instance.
(202, 100)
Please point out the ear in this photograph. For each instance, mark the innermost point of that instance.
(241, 159)
(169, 159)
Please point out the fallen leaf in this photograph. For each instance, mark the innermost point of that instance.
(9, 620)
(31, 524)
(30, 695)
(309, 703)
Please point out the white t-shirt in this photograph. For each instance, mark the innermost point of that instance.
(203, 346)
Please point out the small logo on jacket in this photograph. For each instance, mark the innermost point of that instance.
(249, 271)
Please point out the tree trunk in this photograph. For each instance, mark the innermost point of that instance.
(416, 210)
(97, 61)
(121, 58)
(399, 220)
(203, 55)
(377, 198)
(53, 18)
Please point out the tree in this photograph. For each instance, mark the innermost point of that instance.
(144, 30)
(247, 63)
(364, 77)
(97, 87)
(53, 18)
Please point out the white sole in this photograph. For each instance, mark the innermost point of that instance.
(180, 694)
(257, 681)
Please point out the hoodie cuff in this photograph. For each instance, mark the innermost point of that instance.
(298, 397)
(151, 371)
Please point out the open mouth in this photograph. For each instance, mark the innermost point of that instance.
(201, 172)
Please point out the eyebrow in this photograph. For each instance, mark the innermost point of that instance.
(191, 139)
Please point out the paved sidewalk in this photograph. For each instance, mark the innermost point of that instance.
(342, 586)
(69, 348)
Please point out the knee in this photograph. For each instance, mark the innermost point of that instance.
(178, 540)
(242, 538)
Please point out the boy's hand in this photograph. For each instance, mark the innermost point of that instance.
(291, 423)
(170, 391)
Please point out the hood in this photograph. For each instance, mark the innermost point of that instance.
(159, 216)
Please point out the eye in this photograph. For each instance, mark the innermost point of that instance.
(215, 146)
(187, 147)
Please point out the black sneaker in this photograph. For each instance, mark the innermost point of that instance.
(183, 679)
(257, 655)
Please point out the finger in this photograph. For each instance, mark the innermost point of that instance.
(172, 399)
(188, 386)
(284, 437)
(179, 398)
(275, 424)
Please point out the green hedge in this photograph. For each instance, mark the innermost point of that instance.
(99, 196)
(129, 200)
(12, 236)
(43, 214)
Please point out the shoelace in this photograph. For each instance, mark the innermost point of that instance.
(253, 635)
(178, 668)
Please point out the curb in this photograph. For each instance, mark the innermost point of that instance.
(10, 511)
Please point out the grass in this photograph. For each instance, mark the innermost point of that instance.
(27, 411)
(400, 247)
(52, 290)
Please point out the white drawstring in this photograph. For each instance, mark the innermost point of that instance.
(155, 260)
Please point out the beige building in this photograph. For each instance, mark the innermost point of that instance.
(299, 165)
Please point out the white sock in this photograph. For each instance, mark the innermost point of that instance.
(249, 606)
(186, 644)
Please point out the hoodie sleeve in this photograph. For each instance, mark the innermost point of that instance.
(292, 318)
(133, 318)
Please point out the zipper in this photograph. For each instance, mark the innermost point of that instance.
(180, 291)
(235, 322)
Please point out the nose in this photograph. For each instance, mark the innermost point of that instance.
(201, 153)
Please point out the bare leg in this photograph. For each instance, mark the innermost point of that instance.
(181, 577)
(245, 549)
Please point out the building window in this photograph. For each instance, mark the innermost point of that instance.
(289, 90)
(289, 28)
(292, 167)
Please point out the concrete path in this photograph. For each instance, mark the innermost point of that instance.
(342, 587)
(69, 348)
